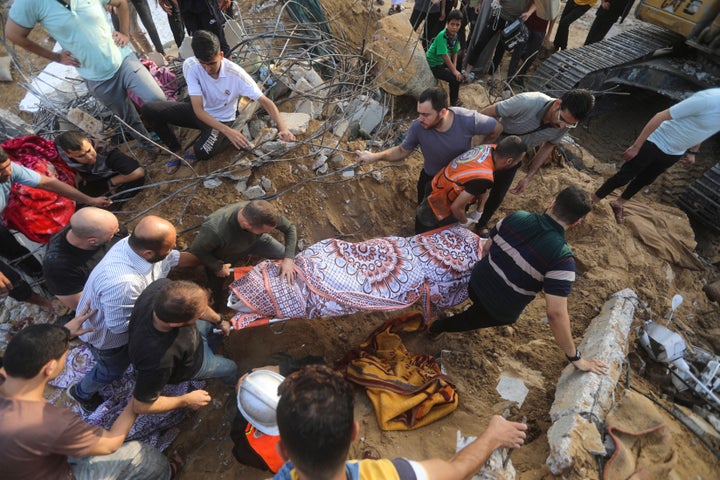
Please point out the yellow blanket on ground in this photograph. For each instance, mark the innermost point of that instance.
(407, 390)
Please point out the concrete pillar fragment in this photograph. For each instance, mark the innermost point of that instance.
(582, 400)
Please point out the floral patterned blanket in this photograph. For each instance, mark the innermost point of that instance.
(334, 277)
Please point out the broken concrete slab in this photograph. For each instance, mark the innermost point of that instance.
(367, 112)
(256, 191)
(297, 123)
(313, 109)
(512, 389)
(493, 468)
(581, 395)
(12, 125)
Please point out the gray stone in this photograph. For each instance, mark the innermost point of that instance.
(320, 160)
(348, 173)
(313, 109)
(341, 127)
(322, 170)
(512, 389)
(256, 191)
(378, 176)
(211, 183)
(367, 112)
(265, 183)
(337, 160)
(266, 135)
(302, 86)
(241, 186)
(256, 126)
(297, 123)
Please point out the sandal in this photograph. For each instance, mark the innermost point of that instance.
(618, 212)
(176, 464)
(172, 166)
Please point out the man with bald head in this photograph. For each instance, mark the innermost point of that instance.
(114, 284)
(74, 251)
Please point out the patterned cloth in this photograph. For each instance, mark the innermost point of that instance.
(156, 430)
(382, 274)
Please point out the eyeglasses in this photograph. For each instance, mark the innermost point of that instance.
(562, 120)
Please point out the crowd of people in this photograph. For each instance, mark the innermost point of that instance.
(128, 313)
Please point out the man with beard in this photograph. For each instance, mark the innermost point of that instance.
(442, 132)
(112, 288)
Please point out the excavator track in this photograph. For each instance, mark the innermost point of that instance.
(702, 199)
(590, 66)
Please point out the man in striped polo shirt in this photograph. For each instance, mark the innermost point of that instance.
(527, 253)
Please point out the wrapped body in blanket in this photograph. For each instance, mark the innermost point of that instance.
(339, 278)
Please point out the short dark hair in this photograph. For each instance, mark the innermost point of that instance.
(511, 146)
(260, 213)
(70, 140)
(315, 418)
(3, 155)
(179, 302)
(454, 15)
(34, 346)
(572, 204)
(205, 45)
(437, 97)
(579, 102)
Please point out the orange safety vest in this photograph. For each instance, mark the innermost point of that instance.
(448, 183)
(264, 445)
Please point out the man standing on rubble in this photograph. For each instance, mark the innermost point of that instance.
(102, 57)
(215, 84)
(541, 121)
(527, 253)
(442, 132)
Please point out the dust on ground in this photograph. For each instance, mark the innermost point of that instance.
(610, 258)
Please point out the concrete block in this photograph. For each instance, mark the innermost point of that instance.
(341, 127)
(302, 86)
(265, 183)
(579, 395)
(256, 126)
(320, 160)
(512, 389)
(256, 191)
(241, 186)
(297, 122)
(367, 112)
(313, 109)
(85, 122)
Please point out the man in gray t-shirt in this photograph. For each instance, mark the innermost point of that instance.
(541, 121)
(442, 133)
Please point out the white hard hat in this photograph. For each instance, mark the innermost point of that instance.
(257, 400)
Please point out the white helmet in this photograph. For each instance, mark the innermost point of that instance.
(257, 400)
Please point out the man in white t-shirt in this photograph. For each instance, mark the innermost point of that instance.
(215, 84)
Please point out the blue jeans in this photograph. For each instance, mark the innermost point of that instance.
(214, 366)
(132, 75)
(132, 461)
(110, 365)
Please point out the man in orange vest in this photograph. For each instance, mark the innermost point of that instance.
(465, 180)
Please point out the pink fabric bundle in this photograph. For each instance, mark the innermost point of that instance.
(335, 278)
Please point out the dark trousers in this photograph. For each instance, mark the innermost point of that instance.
(12, 250)
(443, 73)
(604, 20)
(570, 13)
(486, 35)
(423, 187)
(176, 25)
(160, 115)
(432, 26)
(471, 319)
(143, 11)
(523, 55)
(502, 180)
(211, 20)
(21, 291)
(642, 170)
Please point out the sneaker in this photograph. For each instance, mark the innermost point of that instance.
(87, 406)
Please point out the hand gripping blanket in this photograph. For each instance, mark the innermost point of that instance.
(37, 213)
(334, 277)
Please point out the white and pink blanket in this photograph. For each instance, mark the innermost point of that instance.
(334, 277)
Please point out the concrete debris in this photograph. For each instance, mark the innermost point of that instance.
(579, 395)
(338, 160)
(246, 111)
(241, 186)
(348, 173)
(297, 123)
(493, 468)
(86, 122)
(12, 125)
(265, 183)
(211, 183)
(274, 147)
(341, 127)
(266, 135)
(378, 176)
(5, 69)
(256, 126)
(302, 86)
(320, 160)
(512, 389)
(322, 170)
(298, 71)
(313, 109)
(256, 191)
(367, 111)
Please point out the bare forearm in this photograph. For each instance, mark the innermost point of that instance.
(136, 174)
(651, 126)
(19, 36)
(56, 186)
(273, 111)
(539, 159)
(161, 405)
(112, 439)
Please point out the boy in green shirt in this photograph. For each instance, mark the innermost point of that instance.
(443, 52)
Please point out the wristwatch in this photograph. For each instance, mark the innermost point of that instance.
(577, 356)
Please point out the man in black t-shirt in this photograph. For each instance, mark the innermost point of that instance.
(168, 345)
(74, 251)
(101, 168)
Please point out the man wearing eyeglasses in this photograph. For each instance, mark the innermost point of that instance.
(539, 120)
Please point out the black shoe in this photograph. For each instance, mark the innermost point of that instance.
(87, 406)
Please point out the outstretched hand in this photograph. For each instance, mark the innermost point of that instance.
(287, 270)
(506, 433)
(520, 187)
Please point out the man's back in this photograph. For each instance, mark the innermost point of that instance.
(528, 254)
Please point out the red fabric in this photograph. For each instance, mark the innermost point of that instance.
(38, 213)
